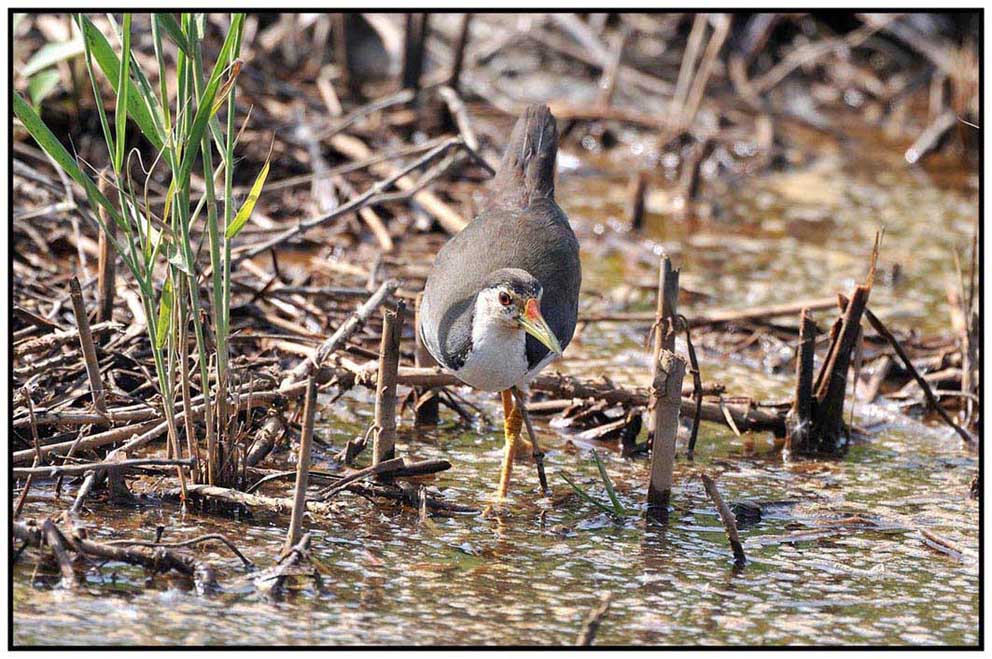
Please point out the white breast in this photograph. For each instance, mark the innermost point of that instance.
(497, 361)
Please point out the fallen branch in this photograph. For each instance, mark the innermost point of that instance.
(752, 314)
(51, 341)
(99, 467)
(344, 332)
(883, 331)
(595, 619)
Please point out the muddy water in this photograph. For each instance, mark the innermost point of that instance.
(836, 557)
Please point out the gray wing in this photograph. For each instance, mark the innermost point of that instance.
(537, 239)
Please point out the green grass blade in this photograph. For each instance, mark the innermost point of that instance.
(162, 81)
(244, 212)
(97, 95)
(42, 84)
(51, 54)
(204, 109)
(147, 95)
(168, 22)
(110, 64)
(51, 145)
(586, 496)
(120, 118)
(164, 314)
(618, 508)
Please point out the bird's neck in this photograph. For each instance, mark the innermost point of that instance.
(498, 358)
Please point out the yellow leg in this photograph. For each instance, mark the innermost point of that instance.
(512, 423)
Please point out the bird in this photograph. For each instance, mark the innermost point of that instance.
(502, 298)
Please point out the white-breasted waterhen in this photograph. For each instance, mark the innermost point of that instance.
(502, 299)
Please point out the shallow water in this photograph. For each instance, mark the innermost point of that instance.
(532, 574)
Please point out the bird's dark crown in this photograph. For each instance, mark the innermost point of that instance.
(519, 281)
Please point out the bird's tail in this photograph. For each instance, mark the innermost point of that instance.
(527, 171)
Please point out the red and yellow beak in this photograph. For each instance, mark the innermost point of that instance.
(534, 324)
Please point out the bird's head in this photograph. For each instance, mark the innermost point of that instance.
(510, 299)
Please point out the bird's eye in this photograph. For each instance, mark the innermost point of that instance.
(504, 298)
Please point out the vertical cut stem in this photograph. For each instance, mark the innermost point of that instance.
(86, 343)
(666, 396)
(303, 466)
(636, 190)
(339, 30)
(415, 38)
(459, 52)
(802, 407)
(384, 442)
(697, 387)
(830, 393)
(664, 323)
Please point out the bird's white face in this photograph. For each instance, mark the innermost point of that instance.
(500, 309)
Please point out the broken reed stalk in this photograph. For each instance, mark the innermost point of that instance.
(414, 42)
(426, 405)
(636, 191)
(666, 397)
(692, 178)
(457, 117)
(828, 415)
(610, 75)
(697, 390)
(384, 436)
(595, 619)
(728, 519)
(800, 418)
(347, 329)
(303, 466)
(459, 52)
(339, 30)
(86, 344)
(664, 324)
(53, 538)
